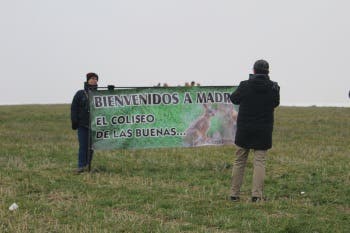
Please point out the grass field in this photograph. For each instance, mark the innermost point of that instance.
(172, 190)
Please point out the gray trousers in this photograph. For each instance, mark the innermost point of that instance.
(258, 174)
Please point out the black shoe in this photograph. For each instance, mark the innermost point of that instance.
(234, 199)
(79, 170)
(256, 199)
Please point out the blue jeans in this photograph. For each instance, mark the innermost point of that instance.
(83, 137)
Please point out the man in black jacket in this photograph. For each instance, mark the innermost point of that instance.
(257, 98)
(80, 120)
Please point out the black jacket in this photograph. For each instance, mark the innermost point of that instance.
(80, 108)
(257, 99)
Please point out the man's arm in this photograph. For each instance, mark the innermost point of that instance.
(74, 109)
(276, 94)
(236, 96)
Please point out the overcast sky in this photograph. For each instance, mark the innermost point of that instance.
(47, 46)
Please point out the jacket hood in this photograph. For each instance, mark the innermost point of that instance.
(259, 82)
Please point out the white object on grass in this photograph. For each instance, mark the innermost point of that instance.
(14, 206)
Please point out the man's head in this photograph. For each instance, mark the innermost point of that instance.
(261, 67)
(92, 79)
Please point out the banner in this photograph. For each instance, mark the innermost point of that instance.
(159, 117)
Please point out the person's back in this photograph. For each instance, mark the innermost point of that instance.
(257, 105)
(257, 99)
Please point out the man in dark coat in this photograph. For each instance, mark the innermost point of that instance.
(80, 120)
(257, 98)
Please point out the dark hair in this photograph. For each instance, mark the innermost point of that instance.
(91, 75)
(261, 67)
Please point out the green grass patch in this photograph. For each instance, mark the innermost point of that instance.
(172, 190)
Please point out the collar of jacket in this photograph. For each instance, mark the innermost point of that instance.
(89, 87)
(260, 76)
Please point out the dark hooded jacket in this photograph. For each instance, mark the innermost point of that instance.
(80, 108)
(257, 98)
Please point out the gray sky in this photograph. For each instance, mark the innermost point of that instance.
(47, 46)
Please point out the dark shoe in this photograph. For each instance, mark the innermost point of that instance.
(79, 170)
(256, 199)
(234, 199)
